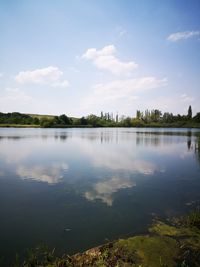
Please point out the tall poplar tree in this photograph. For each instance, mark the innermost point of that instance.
(190, 112)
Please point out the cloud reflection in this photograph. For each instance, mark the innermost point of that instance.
(49, 174)
(118, 158)
(104, 190)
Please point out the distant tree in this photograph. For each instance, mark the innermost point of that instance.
(158, 114)
(46, 122)
(197, 117)
(127, 122)
(16, 118)
(168, 117)
(117, 118)
(93, 120)
(189, 113)
(64, 119)
(83, 121)
(111, 116)
(56, 120)
(138, 114)
(178, 117)
(147, 115)
(36, 121)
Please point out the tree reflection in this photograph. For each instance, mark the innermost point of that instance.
(197, 148)
(147, 138)
(189, 139)
(62, 136)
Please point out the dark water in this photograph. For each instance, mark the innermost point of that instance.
(76, 188)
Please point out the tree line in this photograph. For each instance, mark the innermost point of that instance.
(152, 117)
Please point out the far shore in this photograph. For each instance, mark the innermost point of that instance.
(152, 125)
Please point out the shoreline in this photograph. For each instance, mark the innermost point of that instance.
(196, 126)
(171, 243)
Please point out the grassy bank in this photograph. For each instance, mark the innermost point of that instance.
(150, 125)
(175, 244)
(6, 125)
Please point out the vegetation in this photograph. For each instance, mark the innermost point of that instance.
(166, 245)
(149, 118)
(18, 118)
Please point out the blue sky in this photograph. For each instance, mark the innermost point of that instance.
(82, 56)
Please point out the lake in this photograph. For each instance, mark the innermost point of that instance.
(77, 188)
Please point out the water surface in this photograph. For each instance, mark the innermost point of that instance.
(76, 188)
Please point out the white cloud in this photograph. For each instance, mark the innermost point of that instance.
(51, 76)
(106, 59)
(14, 98)
(169, 103)
(186, 98)
(177, 36)
(1, 74)
(118, 90)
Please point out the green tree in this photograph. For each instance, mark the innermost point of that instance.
(158, 114)
(196, 118)
(189, 113)
(46, 122)
(127, 122)
(93, 120)
(117, 118)
(83, 121)
(168, 117)
(64, 119)
(138, 114)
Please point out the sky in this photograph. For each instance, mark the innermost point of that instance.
(80, 57)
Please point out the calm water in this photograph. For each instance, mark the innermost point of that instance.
(76, 188)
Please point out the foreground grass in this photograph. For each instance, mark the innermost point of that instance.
(166, 245)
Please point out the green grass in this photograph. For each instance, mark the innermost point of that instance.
(151, 251)
(39, 116)
(6, 125)
(165, 246)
